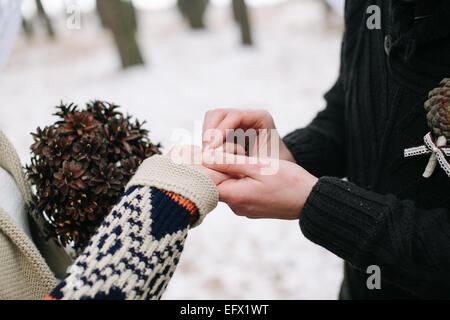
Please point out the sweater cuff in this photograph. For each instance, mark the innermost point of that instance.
(342, 217)
(185, 180)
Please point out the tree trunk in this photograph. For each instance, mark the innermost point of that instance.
(27, 28)
(119, 16)
(194, 12)
(235, 11)
(45, 19)
(240, 14)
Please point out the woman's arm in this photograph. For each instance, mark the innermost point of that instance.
(135, 251)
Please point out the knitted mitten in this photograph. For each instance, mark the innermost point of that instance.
(135, 251)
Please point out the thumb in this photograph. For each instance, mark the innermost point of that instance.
(231, 163)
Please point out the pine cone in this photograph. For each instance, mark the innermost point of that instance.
(80, 166)
(438, 110)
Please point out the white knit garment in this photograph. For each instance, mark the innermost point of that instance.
(135, 251)
(12, 201)
(138, 269)
(183, 179)
(10, 19)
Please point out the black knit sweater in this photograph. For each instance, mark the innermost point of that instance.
(387, 214)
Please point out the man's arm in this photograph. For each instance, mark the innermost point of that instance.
(410, 245)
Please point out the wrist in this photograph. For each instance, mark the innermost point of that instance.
(307, 184)
(285, 153)
(185, 180)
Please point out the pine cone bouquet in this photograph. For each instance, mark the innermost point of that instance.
(438, 110)
(80, 166)
(438, 117)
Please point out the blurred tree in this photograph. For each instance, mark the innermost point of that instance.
(241, 16)
(43, 16)
(235, 12)
(331, 16)
(119, 16)
(328, 9)
(194, 12)
(27, 27)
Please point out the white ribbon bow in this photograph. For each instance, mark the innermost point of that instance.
(438, 150)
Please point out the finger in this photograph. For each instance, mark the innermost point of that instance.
(231, 164)
(232, 148)
(239, 119)
(216, 176)
(243, 213)
(211, 121)
(214, 136)
(222, 120)
(227, 190)
(230, 122)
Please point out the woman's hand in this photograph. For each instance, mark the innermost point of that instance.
(218, 122)
(192, 155)
(261, 188)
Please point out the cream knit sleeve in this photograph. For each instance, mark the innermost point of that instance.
(136, 249)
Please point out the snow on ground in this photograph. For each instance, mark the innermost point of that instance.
(294, 61)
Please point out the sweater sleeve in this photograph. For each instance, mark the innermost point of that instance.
(410, 245)
(135, 251)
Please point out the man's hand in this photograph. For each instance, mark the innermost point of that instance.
(218, 121)
(251, 193)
